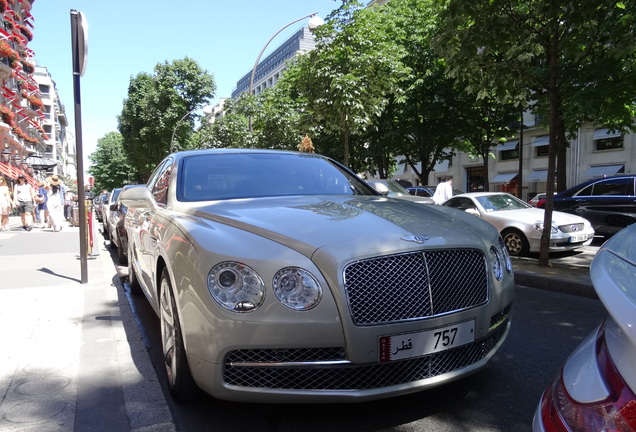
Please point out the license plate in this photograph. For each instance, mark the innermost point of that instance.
(579, 238)
(407, 345)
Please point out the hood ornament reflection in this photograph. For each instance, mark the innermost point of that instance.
(420, 239)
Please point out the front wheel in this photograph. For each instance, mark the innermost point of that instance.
(180, 381)
(516, 242)
(133, 282)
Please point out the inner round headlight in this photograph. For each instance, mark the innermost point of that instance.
(236, 286)
(296, 288)
(496, 262)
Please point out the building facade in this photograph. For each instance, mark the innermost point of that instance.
(270, 69)
(59, 148)
(595, 152)
(21, 108)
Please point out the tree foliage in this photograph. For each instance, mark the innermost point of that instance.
(575, 59)
(110, 166)
(158, 116)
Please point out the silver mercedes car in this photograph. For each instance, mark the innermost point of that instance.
(282, 277)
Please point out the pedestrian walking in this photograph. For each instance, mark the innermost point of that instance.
(41, 200)
(23, 199)
(443, 192)
(6, 204)
(55, 203)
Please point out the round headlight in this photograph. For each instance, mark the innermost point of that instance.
(296, 288)
(496, 262)
(236, 287)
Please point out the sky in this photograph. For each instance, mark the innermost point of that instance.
(128, 37)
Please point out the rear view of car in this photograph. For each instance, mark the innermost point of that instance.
(595, 391)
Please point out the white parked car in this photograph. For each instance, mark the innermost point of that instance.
(521, 225)
(596, 389)
(282, 277)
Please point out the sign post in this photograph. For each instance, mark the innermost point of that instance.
(79, 41)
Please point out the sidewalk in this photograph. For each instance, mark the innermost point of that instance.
(72, 357)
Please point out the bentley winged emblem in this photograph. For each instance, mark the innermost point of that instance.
(420, 239)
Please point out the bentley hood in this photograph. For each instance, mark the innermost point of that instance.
(370, 223)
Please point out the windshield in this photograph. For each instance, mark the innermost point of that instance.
(493, 203)
(247, 175)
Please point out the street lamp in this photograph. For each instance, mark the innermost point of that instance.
(177, 125)
(314, 22)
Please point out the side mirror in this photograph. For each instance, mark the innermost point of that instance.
(472, 211)
(137, 197)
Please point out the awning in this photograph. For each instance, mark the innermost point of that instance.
(41, 162)
(7, 171)
(600, 171)
(541, 141)
(503, 178)
(508, 145)
(605, 133)
(538, 175)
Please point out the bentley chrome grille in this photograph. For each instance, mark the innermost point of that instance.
(241, 369)
(415, 285)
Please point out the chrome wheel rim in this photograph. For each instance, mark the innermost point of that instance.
(168, 331)
(514, 243)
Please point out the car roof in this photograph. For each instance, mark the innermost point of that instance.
(586, 183)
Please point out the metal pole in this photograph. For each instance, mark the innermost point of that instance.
(258, 59)
(79, 150)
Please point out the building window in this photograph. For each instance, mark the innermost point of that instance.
(509, 154)
(542, 150)
(609, 143)
(48, 129)
(44, 89)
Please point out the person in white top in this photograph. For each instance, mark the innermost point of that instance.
(23, 198)
(6, 204)
(443, 192)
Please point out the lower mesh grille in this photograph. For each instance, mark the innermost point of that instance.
(348, 377)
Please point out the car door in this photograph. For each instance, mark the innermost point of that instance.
(609, 204)
(151, 222)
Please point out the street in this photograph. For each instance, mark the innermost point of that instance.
(546, 327)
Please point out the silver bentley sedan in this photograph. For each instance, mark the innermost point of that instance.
(282, 277)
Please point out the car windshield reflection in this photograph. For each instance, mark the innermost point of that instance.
(493, 203)
(236, 176)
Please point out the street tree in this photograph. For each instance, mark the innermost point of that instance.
(573, 58)
(159, 114)
(347, 78)
(109, 163)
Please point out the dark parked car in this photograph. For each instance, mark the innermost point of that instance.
(112, 197)
(117, 228)
(99, 204)
(608, 203)
(393, 189)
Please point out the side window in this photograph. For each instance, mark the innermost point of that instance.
(613, 187)
(160, 189)
(159, 180)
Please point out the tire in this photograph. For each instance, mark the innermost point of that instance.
(515, 242)
(180, 382)
(123, 259)
(105, 231)
(133, 282)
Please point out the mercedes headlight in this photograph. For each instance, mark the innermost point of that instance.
(296, 288)
(236, 286)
